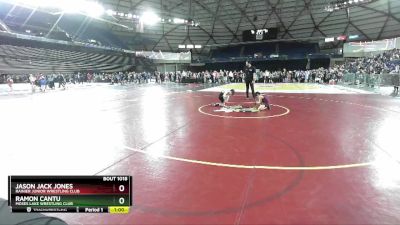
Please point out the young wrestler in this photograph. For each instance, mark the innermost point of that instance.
(262, 102)
(224, 97)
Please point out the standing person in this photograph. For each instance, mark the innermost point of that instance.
(396, 84)
(162, 78)
(61, 81)
(230, 76)
(240, 77)
(266, 76)
(10, 83)
(43, 83)
(32, 80)
(157, 76)
(249, 71)
(81, 79)
(307, 76)
(51, 82)
(89, 77)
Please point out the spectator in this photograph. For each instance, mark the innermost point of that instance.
(10, 83)
(43, 83)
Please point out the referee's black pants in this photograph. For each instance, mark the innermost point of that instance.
(251, 84)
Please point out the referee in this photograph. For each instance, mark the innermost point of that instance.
(249, 71)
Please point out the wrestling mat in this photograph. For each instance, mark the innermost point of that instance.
(310, 88)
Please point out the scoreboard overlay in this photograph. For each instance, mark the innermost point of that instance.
(70, 194)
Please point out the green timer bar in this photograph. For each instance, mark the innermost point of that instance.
(70, 193)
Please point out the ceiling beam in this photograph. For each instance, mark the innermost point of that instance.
(10, 11)
(240, 21)
(165, 34)
(269, 14)
(55, 24)
(307, 4)
(210, 35)
(383, 28)
(169, 45)
(359, 30)
(386, 21)
(381, 12)
(202, 49)
(133, 7)
(294, 21)
(218, 18)
(320, 22)
(215, 16)
(274, 11)
(243, 13)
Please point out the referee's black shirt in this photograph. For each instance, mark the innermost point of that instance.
(249, 71)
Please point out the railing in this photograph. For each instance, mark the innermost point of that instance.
(370, 82)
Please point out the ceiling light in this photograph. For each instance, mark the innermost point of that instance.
(179, 21)
(86, 7)
(150, 18)
(355, 36)
(73, 6)
(110, 12)
(330, 39)
(93, 9)
(344, 4)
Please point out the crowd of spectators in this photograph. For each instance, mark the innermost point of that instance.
(384, 63)
(44, 82)
(225, 76)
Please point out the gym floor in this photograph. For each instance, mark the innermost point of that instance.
(313, 159)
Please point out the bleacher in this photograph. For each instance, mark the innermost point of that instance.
(297, 50)
(263, 51)
(22, 56)
(101, 35)
(226, 53)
